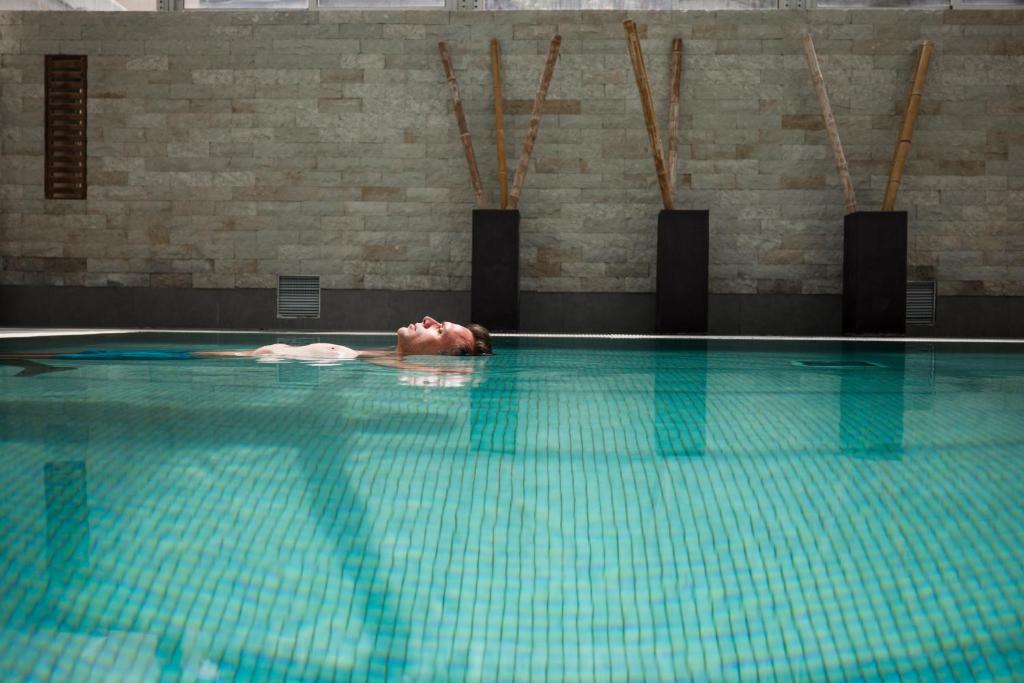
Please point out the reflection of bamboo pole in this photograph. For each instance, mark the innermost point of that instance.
(830, 124)
(499, 123)
(636, 56)
(531, 133)
(673, 111)
(899, 155)
(460, 117)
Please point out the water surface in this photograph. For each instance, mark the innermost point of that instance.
(569, 510)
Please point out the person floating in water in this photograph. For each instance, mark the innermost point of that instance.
(426, 338)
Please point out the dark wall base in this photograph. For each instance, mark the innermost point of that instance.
(228, 309)
(553, 312)
(974, 317)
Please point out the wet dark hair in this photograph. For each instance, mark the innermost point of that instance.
(481, 340)
(481, 343)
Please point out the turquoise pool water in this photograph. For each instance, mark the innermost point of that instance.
(573, 510)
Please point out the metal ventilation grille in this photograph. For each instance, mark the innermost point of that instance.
(920, 303)
(298, 296)
(66, 97)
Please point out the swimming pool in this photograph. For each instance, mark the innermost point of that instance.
(572, 510)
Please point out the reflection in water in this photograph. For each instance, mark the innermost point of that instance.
(67, 520)
(680, 401)
(367, 630)
(299, 374)
(353, 523)
(494, 409)
(871, 408)
(919, 368)
(434, 380)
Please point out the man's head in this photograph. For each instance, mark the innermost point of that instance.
(430, 338)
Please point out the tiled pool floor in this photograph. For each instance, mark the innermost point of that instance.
(570, 511)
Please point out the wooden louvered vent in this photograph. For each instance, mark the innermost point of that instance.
(65, 126)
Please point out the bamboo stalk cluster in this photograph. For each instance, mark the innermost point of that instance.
(666, 169)
(666, 172)
(902, 149)
(508, 198)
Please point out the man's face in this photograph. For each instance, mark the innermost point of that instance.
(430, 338)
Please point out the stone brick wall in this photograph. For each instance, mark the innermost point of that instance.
(228, 147)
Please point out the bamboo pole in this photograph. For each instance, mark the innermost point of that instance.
(830, 124)
(899, 155)
(460, 117)
(531, 133)
(673, 111)
(636, 56)
(499, 123)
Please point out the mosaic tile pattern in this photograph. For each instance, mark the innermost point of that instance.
(585, 511)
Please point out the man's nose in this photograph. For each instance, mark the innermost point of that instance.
(428, 321)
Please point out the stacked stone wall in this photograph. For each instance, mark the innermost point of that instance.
(226, 148)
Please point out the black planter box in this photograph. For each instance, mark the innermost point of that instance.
(681, 299)
(875, 272)
(494, 296)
